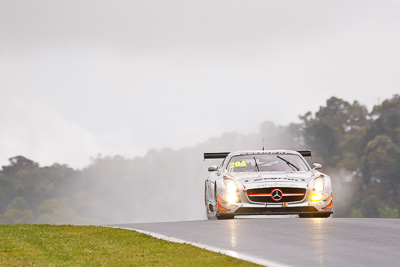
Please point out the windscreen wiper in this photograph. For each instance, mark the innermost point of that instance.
(258, 169)
(288, 163)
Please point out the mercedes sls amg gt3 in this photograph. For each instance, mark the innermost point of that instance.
(266, 182)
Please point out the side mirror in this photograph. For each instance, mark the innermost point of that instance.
(317, 166)
(213, 168)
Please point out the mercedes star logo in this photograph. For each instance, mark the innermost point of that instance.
(276, 194)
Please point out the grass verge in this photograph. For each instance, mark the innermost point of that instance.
(49, 245)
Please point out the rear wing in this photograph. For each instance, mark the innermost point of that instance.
(305, 153)
(222, 155)
(218, 155)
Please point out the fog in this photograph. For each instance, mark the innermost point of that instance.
(121, 73)
(165, 185)
(168, 185)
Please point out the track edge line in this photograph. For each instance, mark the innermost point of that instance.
(229, 253)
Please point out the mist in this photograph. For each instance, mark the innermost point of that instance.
(165, 185)
(121, 73)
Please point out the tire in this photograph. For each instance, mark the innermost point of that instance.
(211, 210)
(305, 215)
(225, 216)
(210, 215)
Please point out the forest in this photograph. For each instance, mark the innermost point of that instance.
(357, 147)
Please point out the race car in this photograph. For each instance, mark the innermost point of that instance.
(266, 182)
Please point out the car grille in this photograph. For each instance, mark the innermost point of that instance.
(272, 211)
(280, 194)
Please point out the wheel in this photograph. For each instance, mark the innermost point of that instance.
(211, 207)
(210, 214)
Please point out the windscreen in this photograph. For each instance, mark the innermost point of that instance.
(266, 163)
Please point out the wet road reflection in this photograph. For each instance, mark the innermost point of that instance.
(317, 240)
(233, 233)
(294, 241)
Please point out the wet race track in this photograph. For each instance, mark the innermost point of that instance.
(293, 241)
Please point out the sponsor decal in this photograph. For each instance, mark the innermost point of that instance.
(277, 185)
(275, 178)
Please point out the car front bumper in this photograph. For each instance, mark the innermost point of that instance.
(276, 208)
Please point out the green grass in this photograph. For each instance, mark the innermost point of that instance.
(48, 245)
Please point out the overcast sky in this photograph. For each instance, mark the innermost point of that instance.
(78, 78)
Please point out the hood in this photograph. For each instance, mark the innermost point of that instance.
(273, 179)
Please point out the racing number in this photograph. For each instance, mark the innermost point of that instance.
(237, 164)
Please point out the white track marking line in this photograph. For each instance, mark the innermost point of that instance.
(230, 253)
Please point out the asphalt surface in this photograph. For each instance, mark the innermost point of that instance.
(294, 241)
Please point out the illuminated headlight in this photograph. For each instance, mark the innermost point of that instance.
(316, 197)
(231, 186)
(319, 184)
(232, 198)
(231, 191)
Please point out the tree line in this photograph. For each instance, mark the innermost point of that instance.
(359, 149)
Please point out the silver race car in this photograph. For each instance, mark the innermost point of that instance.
(266, 182)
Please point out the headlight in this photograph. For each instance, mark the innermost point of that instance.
(231, 186)
(231, 191)
(232, 198)
(319, 184)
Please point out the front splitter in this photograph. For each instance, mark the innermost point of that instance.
(278, 211)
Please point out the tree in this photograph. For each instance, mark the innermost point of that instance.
(320, 137)
(387, 212)
(53, 211)
(387, 108)
(18, 212)
(382, 156)
(342, 115)
(388, 118)
(19, 163)
(369, 207)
